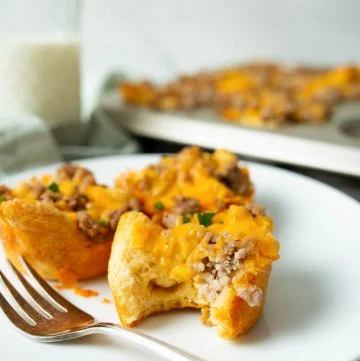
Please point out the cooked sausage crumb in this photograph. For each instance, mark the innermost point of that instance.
(255, 210)
(79, 175)
(185, 205)
(114, 217)
(37, 190)
(233, 178)
(76, 202)
(44, 194)
(5, 193)
(169, 220)
(217, 272)
(252, 295)
(134, 204)
(145, 184)
(90, 226)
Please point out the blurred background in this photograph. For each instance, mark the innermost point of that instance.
(159, 39)
(58, 60)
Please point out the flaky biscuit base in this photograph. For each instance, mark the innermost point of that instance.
(50, 241)
(134, 301)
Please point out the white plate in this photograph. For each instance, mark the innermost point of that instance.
(313, 304)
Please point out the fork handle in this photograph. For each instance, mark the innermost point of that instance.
(168, 351)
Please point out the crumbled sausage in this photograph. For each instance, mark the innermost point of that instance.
(255, 210)
(4, 189)
(186, 205)
(328, 95)
(76, 202)
(220, 204)
(90, 226)
(67, 171)
(134, 204)
(268, 113)
(354, 93)
(219, 271)
(233, 178)
(37, 190)
(145, 184)
(50, 197)
(5, 193)
(169, 220)
(82, 176)
(86, 181)
(252, 295)
(114, 217)
(210, 238)
(44, 194)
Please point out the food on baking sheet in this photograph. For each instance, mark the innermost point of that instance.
(258, 94)
(188, 182)
(217, 262)
(63, 224)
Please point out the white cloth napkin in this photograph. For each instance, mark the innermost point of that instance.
(27, 142)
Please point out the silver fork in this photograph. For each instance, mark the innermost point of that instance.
(53, 318)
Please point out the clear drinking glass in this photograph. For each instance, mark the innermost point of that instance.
(40, 59)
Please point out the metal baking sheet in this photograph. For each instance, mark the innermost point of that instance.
(332, 146)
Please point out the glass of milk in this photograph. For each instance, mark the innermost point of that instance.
(40, 59)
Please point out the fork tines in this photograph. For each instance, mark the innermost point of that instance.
(48, 313)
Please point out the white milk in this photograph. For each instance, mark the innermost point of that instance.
(40, 76)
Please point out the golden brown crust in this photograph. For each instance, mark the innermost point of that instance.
(174, 305)
(136, 297)
(50, 241)
(140, 289)
(235, 316)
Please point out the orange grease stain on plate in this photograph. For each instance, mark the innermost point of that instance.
(85, 292)
(67, 279)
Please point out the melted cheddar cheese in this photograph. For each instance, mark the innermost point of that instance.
(100, 199)
(176, 251)
(191, 173)
(255, 94)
